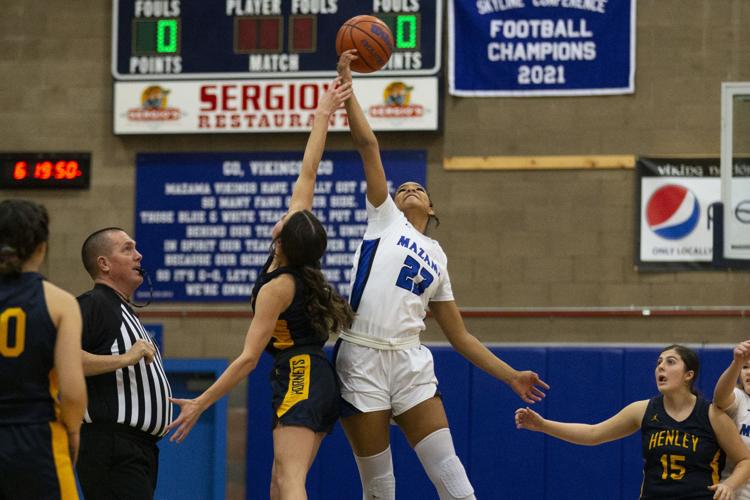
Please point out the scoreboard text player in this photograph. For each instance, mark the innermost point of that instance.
(195, 39)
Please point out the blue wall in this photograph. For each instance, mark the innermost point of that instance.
(195, 468)
(589, 384)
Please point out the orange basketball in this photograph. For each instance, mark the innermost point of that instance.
(371, 37)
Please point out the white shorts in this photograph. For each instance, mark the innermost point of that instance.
(374, 379)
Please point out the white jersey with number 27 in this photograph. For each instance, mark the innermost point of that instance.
(397, 272)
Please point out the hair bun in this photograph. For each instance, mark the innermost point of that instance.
(7, 250)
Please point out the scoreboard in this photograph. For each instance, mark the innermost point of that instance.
(217, 39)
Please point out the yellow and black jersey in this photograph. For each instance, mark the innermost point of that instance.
(293, 327)
(27, 346)
(681, 459)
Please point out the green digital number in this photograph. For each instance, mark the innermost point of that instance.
(166, 36)
(406, 32)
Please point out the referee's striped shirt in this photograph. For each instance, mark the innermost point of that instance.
(136, 396)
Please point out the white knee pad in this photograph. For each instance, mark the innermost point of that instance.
(443, 467)
(376, 475)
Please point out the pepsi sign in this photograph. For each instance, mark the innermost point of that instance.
(675, 219)
(673, 211)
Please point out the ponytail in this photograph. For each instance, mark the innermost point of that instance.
(327, 310)
(10, 263)
(24, 225)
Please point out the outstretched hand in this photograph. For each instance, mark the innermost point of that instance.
(528, 419)
(527, 385)
(190, 412)
(722, 492)
(741, 352)
(344, 65)
(333, 98)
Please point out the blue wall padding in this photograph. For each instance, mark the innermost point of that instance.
(713, 363)
(638, 383)
(497, 450)
(259, 438)
(196, 467)
(589, 384)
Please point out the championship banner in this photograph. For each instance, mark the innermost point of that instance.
(675, 219)
(541, 47)
(233, 106)
(203, 221)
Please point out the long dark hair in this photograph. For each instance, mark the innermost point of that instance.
(24, 225)
(303, 242)
(690, 358)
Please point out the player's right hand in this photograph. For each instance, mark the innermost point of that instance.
(722, 492)
(190, 412)
(142, 349)
(528, 419)
(344, 65)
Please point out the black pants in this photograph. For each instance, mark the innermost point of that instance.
(116, 462)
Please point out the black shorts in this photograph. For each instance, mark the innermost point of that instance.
(305, 391)
(35, 463)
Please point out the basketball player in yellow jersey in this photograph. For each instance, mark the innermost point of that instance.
(42, 390)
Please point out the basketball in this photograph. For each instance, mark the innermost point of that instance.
(371, 37)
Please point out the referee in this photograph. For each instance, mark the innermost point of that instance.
(129, 407)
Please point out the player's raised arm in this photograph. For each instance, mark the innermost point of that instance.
(330, 101)
(363, 137)
(724, 390)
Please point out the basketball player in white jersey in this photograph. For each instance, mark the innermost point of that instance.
(383, 369)
(734, 399)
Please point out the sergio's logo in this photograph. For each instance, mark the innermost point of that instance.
(154, 106)
(672, 212)
(397, 103)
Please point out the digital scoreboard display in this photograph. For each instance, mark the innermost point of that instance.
(194, 39)
(45, 170)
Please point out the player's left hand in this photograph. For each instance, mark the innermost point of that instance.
(190, 412)
(345, 60)
(334, 97)
(722, 492)
(527, 385)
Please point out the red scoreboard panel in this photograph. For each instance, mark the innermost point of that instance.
(194, 39)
